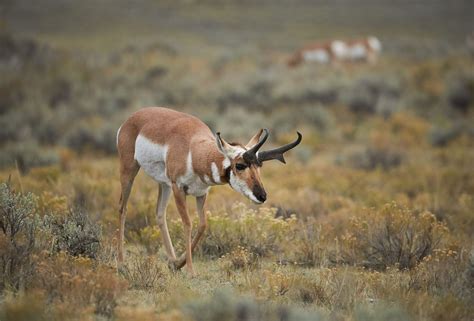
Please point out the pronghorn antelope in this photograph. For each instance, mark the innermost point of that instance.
(366, 50)
(182, 154)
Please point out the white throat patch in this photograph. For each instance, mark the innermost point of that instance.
(225, 163)
(215, 173)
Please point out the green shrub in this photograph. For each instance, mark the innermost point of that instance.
(469, 273)
(10, 130)
(309, 245)
(26, 155)
(319, 117)
(444, 271)
(149, 237)
(79, 282)
(382, 311)
(303, 88)
(392, 236)
(360, 100)
(258, 232)
(143, 272)
(225, 306)
(369, 91)
(371, 158)
(82, 138)
(74, 233)
(441, 137)
(313, 293)
(239, 259)
(18, 229)
(250, 90)
(460, 92)
(249, 122)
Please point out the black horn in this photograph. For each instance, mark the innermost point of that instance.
(250, 156)
(277, 153)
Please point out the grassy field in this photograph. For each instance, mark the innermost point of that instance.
(371, 219)
(195, 25)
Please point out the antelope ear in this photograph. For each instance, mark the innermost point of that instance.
(224, 147)
(254, 140)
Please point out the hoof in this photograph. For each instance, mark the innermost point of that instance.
(190, 273)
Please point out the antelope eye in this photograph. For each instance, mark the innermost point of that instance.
(240, 167)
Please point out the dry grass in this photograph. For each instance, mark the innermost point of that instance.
(334, 258)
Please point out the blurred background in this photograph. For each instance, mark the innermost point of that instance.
(71, 72)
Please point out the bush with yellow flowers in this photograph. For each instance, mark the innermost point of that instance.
(392, 236)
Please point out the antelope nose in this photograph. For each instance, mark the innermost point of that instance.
(260, 194)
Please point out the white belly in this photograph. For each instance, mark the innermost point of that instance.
(358, 52)
(339, 49)
(317, 55)
(152, 158)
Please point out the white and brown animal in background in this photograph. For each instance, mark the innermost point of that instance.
(335, 51)
(182, 154)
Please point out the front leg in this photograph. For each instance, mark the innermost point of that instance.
(200, 204)
(201, 209)
(180, 198)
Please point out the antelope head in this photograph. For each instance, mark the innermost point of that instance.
(246, 161)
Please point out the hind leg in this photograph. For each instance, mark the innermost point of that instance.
(127, 176)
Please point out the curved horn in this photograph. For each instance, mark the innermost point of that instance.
(277, 153)
(250, 155)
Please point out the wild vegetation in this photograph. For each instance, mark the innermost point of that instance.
(371, 219)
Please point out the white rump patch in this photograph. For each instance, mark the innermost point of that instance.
(152, 158)
(358, 52)
(241, 187)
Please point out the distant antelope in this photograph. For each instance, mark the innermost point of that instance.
(182, 154)
(365, 50)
